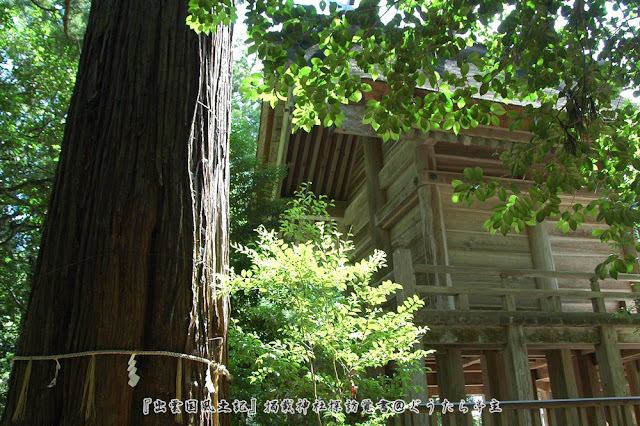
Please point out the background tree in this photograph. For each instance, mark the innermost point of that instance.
(136, 234)
(251, 201)
(37, 72)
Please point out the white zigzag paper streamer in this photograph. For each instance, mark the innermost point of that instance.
(208, 383)
(133, 377)
(55, 377)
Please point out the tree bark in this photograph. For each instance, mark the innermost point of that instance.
(137, 234)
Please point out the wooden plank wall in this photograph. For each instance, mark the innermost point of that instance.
(579, 250)
(469, 244)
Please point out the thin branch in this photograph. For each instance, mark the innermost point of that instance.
(66, 18)
(24, 184)
(48, 9)
(21, 305)
(15, 230)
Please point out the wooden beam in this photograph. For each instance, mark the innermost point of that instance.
(481, 135)
(476, 335)
(345, 171)
(528, 318)
(520, 272)
(337, 148)
(628, 356)
(444, 178)
(526, 292)
(352, 122)
(471, 361)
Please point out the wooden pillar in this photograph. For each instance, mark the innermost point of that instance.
(516, 364)
(433, 229)
(633, 367)
(542, 259)
(562, 380)
(612, 375)
(403, 271)
(283, 142)
(450, 374)
(563, 384)
(635, 286)
(376, 197)
(495, 382)
(590, 387)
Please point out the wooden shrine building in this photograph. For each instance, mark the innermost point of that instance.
(514, 318)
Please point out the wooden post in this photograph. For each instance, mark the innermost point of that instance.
(633, 376)
(542, 259)
(633, 367)
(508, 301)
(563, 384)
(598, 301)
(376, 197)
(536, 415)
(433, 230)
(612, 375)
(517, 371)
(283, 143)
(403, 271)
(494, 381)
(451, 385)
(590, 387)
(635, 286)
(559, 363)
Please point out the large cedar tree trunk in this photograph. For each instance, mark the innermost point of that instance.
(137, 232)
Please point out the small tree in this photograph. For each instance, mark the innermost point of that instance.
(325, 330)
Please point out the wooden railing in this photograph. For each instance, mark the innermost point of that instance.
(461, 294)
(613, 407)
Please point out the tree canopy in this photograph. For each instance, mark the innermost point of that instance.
(565, 64)
(37, 71)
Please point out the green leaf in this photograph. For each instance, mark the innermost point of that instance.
(448, 124)
(498, 109)
(477, 173)
(356, 96)
(468, 173)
